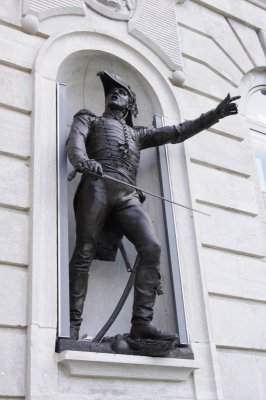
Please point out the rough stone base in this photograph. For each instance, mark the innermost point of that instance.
(124, 344)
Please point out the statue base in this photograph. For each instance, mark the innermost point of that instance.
(124, 344)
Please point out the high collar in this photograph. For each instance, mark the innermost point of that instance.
(114, 115)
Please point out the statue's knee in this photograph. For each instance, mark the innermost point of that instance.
(150, 254)
(82, 256)
(87, 251)
(86, 248)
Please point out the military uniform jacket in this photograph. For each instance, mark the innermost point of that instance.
(116, 146)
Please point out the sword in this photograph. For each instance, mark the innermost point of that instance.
(123, 297)
(110, 178)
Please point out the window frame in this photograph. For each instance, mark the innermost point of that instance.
(256, 128)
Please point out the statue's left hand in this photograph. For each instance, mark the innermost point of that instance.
(227, 107)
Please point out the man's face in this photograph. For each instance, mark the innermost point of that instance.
(117, 98)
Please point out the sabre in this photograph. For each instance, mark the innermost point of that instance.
(122, 299)
(110, 178)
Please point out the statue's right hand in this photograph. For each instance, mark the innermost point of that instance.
(90, 166)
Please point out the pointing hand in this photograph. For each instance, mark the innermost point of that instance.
(227, 107)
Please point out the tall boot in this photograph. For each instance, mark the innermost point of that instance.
(78, 285)
(145, 290)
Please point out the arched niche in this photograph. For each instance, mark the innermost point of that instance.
(73, 59)
(84, 90)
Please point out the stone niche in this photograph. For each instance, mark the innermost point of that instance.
(108, 279)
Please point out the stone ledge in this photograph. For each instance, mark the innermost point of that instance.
(119, 366)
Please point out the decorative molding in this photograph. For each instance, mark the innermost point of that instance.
(178, 78)
(30, 24)
(44, 9)
(156, 26)
(114, 9)
(119, 366)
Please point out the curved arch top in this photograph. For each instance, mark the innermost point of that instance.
(59, 47)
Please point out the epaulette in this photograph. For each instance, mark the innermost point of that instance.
(84, 111)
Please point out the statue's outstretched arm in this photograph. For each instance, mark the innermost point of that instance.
(179, 133)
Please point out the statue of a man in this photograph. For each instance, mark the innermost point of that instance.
(106, 210)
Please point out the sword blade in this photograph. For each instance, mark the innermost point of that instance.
(110, 178)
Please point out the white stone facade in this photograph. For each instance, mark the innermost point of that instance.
(218, 47)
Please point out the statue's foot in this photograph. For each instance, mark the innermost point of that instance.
(148, 331)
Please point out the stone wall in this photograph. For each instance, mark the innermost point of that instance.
(221, 44)
(17, 54)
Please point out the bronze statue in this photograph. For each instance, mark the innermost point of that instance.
(106, 210)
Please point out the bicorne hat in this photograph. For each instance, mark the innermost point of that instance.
(109, 81)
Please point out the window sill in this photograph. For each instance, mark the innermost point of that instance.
(103, 365)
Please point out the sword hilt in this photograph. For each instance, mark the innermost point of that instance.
(72, 175)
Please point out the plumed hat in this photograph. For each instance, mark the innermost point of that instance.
(109, 81)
